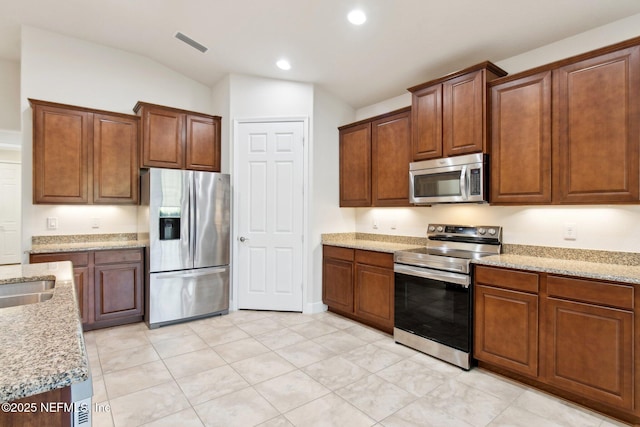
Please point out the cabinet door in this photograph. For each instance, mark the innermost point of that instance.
(118, 291)
(463, 115)
(60, 155)
(337, 284)
(203, 143)
(506, 329)
(355, 166)
(374, 289)
(426, 132)
(162, 138)
(596, 119)
(391, 154)
(115, 159)
(81, 262)
(82, 282)
(590, 351)
(521, 140)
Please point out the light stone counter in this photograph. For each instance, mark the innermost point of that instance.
(594, 270)
(41, 345)
(373, 242)
(84, 242)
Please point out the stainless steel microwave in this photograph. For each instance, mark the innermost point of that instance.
(459, 179)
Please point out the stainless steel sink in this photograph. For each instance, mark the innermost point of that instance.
(22, 288)
(24, 293)
(15, 300)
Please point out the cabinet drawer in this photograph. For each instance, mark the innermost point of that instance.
(78, 259)
(116, 256)
(380, 259)
(509, 279)
(337, 252)
(609, 294)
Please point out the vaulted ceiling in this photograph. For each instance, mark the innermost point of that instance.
(402, 43)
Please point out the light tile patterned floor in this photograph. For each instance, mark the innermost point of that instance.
(274, 369)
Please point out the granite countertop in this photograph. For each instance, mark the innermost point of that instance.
(589, 269)
(85, 242)
(41, 345)
(373, 242)
(596, 264)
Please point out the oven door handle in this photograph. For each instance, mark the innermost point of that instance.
(458, 279)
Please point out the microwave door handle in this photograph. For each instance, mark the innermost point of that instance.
(464, 183)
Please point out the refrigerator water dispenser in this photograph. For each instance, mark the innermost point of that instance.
(169, 223)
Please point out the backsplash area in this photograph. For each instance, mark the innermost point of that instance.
(614, 228)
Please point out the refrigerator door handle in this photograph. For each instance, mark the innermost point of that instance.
(192, 216)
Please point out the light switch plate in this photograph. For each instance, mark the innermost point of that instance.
(52, 223)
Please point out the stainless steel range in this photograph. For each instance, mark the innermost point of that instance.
(433, 292)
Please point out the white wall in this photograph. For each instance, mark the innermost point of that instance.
(326, 215)
(615, 228)
(9, 95)
(72, 71)
(253, 97)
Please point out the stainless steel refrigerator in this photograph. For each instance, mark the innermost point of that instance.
(186, 217)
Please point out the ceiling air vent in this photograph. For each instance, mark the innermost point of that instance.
(191, 42)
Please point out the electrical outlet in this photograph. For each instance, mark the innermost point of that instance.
(570, 231)
(95, 222)
(52, 223)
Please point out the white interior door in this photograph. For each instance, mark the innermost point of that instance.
(269, 184)
(10, 213)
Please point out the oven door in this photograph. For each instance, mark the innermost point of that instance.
(433, 304)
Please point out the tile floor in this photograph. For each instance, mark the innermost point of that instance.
(272, 369)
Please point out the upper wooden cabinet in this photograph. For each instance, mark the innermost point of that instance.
(179, 139)
(374, 161)
(449, 114)
(83, 156)
(596, 128)
(568, 132)
(521, 140)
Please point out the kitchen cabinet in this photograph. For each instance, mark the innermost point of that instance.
(81, 276)
(178, 139)
(449, 114)
(28, 410)
(596, 128)
(521, 140)
(374, 161)
(572, 336)
(568, 132)
(590, 339)
(359, 284)
(506, 312)
(83, 156)
(337, 278)
(374, 288)
(109, 284)
(118, 286)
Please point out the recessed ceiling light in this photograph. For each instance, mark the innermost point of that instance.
(357, 17)
(283, 64)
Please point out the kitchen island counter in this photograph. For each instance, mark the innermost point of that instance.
(41, 345)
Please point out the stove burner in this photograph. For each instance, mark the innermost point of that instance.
(452, 247)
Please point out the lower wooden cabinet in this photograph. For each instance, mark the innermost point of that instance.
(589, 339)
(109, 284)
(359, 284)
(571, 336)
